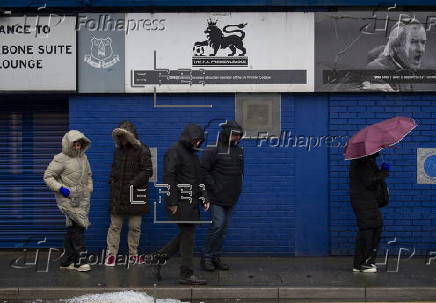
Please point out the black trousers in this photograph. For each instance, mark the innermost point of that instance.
(367, 242)
(183, 242)
(74, 245)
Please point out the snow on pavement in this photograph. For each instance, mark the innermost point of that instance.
(119, 297)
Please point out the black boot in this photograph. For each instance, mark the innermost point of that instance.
(187, 277)
(192, 280)
(155, 272)
(206, 264)
(220, 265)
(157, 260)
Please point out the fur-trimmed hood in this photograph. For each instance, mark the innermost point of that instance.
(72, 136)
(128, 130)
(72, 170)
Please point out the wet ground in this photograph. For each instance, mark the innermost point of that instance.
(248, 271)
(252, 279)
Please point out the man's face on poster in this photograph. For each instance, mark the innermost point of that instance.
(413, 46)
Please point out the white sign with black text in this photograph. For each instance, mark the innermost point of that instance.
(220, 52)
(37, 53)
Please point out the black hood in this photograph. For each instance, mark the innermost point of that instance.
(190, 132)
(368, 159)
(228, 128)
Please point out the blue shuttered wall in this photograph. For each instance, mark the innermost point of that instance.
(264, 219)
(285, 189)
(30, 134)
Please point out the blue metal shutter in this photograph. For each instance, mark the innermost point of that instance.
(31, 130)
(263, 222)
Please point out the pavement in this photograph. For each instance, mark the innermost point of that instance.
(257, 279)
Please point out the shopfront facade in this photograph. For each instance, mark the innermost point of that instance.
(294, 78)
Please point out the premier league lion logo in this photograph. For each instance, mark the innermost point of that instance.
(217, 40)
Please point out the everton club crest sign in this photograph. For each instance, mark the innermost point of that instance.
(102, 54)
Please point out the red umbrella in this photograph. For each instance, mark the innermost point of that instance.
(374, 138)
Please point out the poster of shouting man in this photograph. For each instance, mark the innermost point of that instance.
(375, 51)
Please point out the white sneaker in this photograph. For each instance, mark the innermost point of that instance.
(71, 266)
(83, 268)
(365, 269)
(369, 270)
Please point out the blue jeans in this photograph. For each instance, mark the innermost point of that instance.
(213, 245)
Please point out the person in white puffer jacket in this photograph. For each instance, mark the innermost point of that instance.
(69, 176)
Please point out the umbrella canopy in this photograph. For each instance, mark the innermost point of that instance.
(375, 137)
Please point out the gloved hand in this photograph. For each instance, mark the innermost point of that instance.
(384, 173)
(65, 191)
(385, 166)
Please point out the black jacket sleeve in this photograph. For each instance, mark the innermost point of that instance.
(145, 166)
(207, 163)
(170, 177)
(370, 175)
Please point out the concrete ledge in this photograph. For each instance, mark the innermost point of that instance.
(181, 293)
(54, 293)
(234, 293)
(322, 293)
(8, 293)
(400, 293)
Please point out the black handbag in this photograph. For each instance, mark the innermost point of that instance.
(382, 194)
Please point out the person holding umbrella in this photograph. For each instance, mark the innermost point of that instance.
(367, 186)
(366, 181)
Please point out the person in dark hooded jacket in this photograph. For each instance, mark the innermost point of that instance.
(182, 173)
(131, 170)
(365, 180)
(222, 169)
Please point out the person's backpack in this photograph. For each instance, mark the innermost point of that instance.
(382, 194)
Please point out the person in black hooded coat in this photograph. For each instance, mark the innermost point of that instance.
(366, 182)
(131, 169)
(182, 167)
(222, 170)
